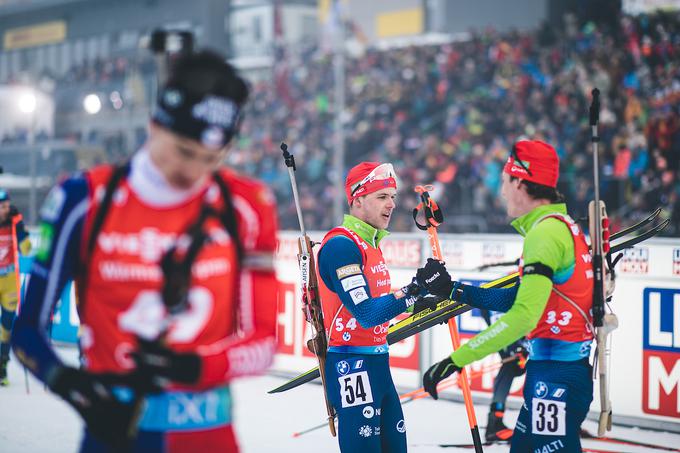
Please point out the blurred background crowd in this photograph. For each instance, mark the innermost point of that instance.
(445, 113)
(448, 114)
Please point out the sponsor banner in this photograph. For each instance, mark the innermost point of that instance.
(634, 261)
(35, 35)
(676, 261)
(660, 380)
(493, 252)
(661, 351)
(453, 253)
(401, 252)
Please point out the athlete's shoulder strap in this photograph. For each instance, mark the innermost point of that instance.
(116, 176)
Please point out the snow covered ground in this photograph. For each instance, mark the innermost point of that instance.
(39, 422)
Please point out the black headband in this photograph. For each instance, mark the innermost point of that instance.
(211, 120)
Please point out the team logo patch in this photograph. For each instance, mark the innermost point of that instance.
(346, 336)
(342, 367)
(353, 282)
(555, 330)
(346, 271)
(213, 137)
(368, 412)
(358, 295)
(358, 364)
(558, 393)
(401, 426)
(365, 431)
(540, 389)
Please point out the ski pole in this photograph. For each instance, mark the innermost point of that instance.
(434, 218)
(473, 374)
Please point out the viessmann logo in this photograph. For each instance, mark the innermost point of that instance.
(150, 243)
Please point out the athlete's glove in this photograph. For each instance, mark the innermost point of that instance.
(426, 302)
(158, 366)
(106, 417)
(435, 278)
(437, 373)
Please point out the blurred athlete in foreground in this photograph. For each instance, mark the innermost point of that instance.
(172, 255)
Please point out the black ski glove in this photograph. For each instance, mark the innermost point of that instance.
(437, 373)
(428, 301)
(435, 278)
(106, 417)
(410, 293)
(158, 366)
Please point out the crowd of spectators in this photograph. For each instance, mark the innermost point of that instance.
(448, 115)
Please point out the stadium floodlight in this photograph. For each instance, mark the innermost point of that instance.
(92, 104)
(27, 102)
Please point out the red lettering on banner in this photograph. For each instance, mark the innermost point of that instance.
(401, 252)
(660, 380)
(635, 261)
(493, 253)
(286, 318)
(452, 253)
(287, 249)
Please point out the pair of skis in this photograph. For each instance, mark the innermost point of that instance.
(621, 240)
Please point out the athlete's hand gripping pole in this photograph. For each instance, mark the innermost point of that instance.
(434, 218)
(599, 234)
(310, 295)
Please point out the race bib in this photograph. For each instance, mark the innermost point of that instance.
(548, 417)
(355, 389)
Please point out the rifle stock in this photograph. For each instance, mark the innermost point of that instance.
(311, 306)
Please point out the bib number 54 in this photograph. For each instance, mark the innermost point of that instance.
(355, 389)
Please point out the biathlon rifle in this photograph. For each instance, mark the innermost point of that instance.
(311, 302)
(604, 323)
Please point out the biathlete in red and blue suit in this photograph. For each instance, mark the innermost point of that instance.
(355, 288)
(172, 257)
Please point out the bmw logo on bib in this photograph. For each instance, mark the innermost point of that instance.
(541, 389)
(342, 367)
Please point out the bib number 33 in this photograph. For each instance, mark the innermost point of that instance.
(355, 389)
(548, 417)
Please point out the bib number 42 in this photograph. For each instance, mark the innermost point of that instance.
(355, 389)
